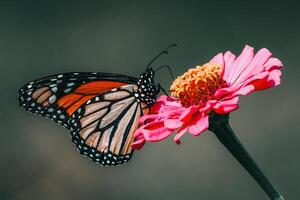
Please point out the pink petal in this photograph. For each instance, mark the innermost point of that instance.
(155, 131)
(256, 66)
(223, 91)
(147, 118)
(226, 106)
(188, 114)
(156, 107)
(248, 87)
(209, 104)
(245, 89)
(275, 76)
(173, 103)
(229, 59)
(200, 125)
(273, 63)
(240, 64)
(179, 134)
(218, 59)
(271, 80)
(162, 98)
(173, 123)
(259, 81)
(139, 143)
(171, 110)
(139, 140)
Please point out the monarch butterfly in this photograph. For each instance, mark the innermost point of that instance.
(100, 110)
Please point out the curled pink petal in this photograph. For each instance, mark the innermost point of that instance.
(273, 63)
(218, 59)
(224, 91)
(200, 125)
(138, 143)
(273, 79)
(139, 140)
(179, 134)
(256, 66)
(229, 59)
(244, 90)
(173, 123)
(155, 131)
(240, 64)
(149, 118)
(188, 113)
(226, 106)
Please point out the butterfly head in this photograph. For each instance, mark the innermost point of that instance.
(148, 90)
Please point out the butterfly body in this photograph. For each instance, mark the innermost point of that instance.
(101, 110)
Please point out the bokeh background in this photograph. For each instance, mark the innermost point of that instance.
(39, 38)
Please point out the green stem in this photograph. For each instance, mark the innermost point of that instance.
(220, 126)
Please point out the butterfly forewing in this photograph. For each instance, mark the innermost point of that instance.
(58, 96)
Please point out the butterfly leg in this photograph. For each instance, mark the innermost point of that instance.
(162, 89)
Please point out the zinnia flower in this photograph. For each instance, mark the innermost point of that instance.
(214, 87)
(202, 99)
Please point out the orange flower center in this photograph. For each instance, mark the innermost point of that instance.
(198, 85)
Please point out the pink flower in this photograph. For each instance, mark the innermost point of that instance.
(213, 87)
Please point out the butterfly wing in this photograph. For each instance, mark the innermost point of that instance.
(100, 110)
(58, 96)
(103, 127)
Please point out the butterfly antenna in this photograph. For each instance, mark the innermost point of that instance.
(169, 69)
(161, 53)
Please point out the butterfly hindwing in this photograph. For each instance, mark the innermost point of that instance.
(58, 96)
(102, 128)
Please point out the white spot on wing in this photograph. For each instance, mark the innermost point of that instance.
(54, 89)
(70, 84)
(52, 99)
(67, 90)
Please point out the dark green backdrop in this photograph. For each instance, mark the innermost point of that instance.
(39, 38)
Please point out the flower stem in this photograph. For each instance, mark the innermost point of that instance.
(220, 126)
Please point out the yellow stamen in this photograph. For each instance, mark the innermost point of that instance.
(198, 85)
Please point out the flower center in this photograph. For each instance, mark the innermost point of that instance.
(198, 85)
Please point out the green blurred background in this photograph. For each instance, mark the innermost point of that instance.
(39, 38)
